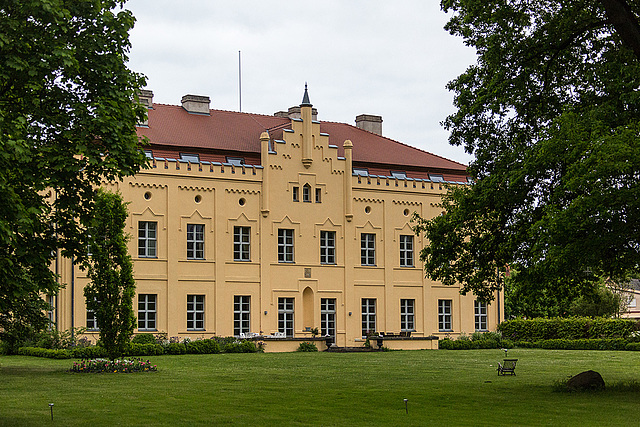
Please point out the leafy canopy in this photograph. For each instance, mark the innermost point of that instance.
(67, 123)
(551, 111)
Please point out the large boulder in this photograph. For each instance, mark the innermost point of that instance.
(588, 380)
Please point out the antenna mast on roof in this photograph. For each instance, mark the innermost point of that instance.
(240, 81)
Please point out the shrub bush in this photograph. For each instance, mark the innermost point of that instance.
(175, 348)
(567, 328)
(150, 349)
(307, 347)
(144, 338)
(44, 352)
(205, 346)
(88, 352)
(242, 346)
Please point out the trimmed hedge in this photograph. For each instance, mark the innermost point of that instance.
(466, 344)
(573, 328)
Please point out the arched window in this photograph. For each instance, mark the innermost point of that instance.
(306, 193)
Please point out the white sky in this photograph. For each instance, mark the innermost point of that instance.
(390, 58)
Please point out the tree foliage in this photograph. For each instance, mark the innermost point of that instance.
(551, 111)
(67, 123)
(110, 270)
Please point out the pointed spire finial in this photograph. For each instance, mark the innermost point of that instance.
(305, 98)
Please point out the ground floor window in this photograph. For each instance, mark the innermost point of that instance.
(480, 309)
(285, 316)
(328, 317)
(241, 314)
(444, 315)
(407, 315)
(195, 312)
(368, 316)
(147, 312)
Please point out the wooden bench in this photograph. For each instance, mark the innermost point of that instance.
(508, 366)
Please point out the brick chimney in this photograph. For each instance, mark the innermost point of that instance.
(146, 98)
(369, 123)
(196, 104)
(296, 113)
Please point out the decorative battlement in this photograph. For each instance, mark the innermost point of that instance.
(220, 170)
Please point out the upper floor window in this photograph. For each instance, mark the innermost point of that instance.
(368, 249)
(436, 177)
(406, 251)
(327, 247)
(147, 239)
(195, 241)
(241, 243)
(236, 161)
(399, 174)
(361, 171)
(296, 194)
(193, 158)
(306, 193)
(285, 245)
(318, 195)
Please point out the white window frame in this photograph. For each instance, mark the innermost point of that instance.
(147, 310)
(190, 157)
(195, 312)
(327, 247)
(480, 315)
(147, 239)
(445, 315)
(241, 314)
(286, 316)
(368, 249)
(242, 243)
(286, 246)
(195, 241)
(328, 317)
(368, 316)
(92, 321)
(407, 315)
(406, 251)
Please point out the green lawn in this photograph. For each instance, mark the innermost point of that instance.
(449, 388)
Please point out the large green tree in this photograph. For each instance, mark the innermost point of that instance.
(110, 270)
(551, 111)
(67, 123)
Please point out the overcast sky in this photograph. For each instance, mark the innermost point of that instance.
(389, 58)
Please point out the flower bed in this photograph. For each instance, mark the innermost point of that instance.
(113, 366)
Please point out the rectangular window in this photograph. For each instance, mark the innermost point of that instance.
(327, 247)
(444, 315)
(407, 315)
(436, 177)
(148, 154)
(361, 171)
(92, 322)
(146, 312)
(318, 195)
(368, 316)
(195, 312)
(285, 316)
(285, 245)
(192, 158)
(399, 174)
(241, 314)
(147, 239)
(368, 249)
(195, 241)
(480, 309)
(328, 317)
(406, 251)
(306, 193)
(236, 161)
(50, 310)
(296, 194)
(242, 243)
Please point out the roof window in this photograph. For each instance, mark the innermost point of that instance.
(236, 161)
(361, 171)
(436, 177)
(399, 174)
(192, 158)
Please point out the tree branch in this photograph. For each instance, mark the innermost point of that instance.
(624, 22)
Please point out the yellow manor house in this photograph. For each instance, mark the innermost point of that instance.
(252, 225)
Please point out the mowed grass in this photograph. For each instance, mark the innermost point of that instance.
(448, 388)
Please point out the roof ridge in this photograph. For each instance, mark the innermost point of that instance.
(225, 111)
(397, 142)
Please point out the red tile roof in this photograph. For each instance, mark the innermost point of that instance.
(172, 126)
